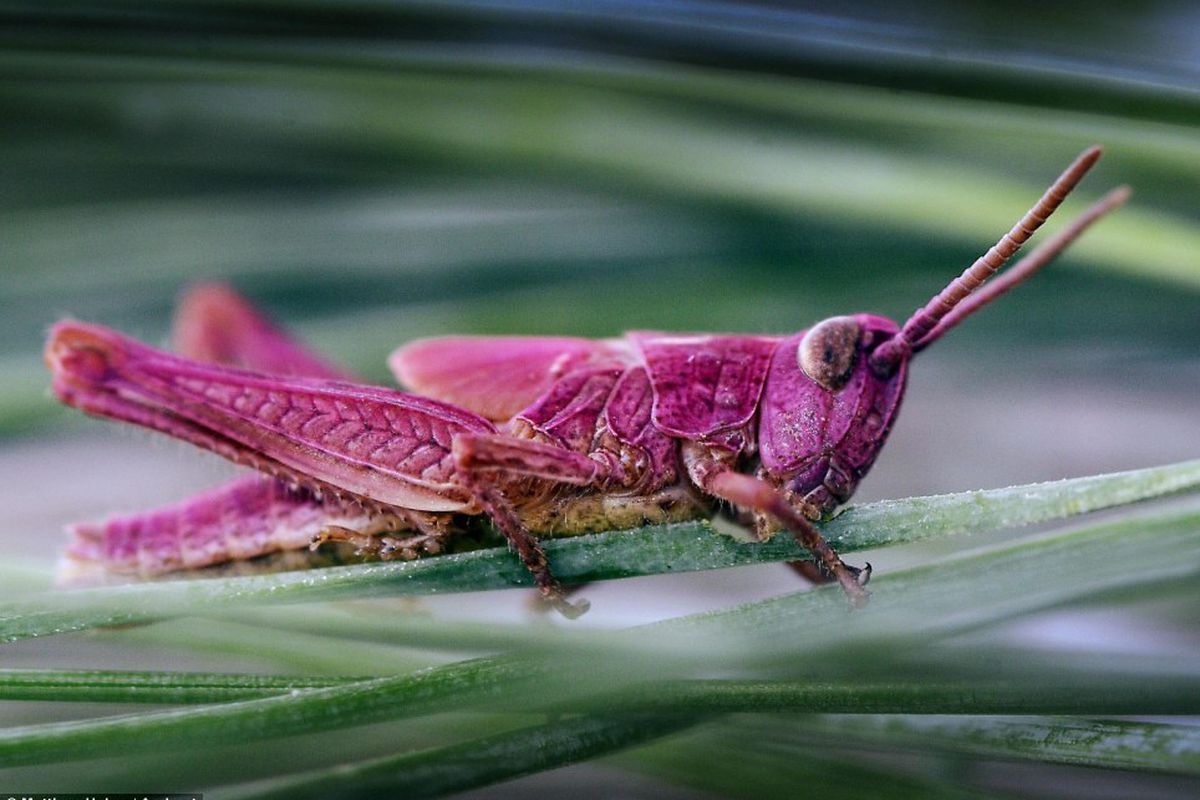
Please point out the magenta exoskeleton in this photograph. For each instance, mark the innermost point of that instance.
(544, 435)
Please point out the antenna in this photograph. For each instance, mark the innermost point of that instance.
(1021, 271)
(926, 319)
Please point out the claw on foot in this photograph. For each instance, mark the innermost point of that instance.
(816, 573)
(554, 598)
(570, 610)
(855, 587)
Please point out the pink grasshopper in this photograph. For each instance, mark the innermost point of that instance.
(547, 435)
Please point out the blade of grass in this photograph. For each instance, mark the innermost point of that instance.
(379, 621)
(129, 686)
(302, 711)
(477, 762)
(1063, 693)
(204, 766)
(964, 593)
(290, 649)
(480, 762)
(1071, 691)
(648, 551)
(930, 54)
(1107, 744)
(709, 760)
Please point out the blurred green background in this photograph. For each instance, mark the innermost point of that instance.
(371, 172)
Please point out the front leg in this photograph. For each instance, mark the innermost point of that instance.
(718, 478)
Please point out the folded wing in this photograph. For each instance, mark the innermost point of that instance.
(494, 376)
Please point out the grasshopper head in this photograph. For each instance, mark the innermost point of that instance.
(825, 410)
(834, 390)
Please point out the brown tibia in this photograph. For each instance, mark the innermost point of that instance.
(530, 551)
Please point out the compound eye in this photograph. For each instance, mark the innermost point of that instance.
(827, 351)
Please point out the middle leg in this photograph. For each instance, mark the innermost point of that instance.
(484, 460)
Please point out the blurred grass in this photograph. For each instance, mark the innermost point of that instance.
(297, 161)
(770, 756)
(375, 171)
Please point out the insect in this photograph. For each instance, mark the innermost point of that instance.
(542, 435)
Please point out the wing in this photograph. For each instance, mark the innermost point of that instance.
(704, 384)
(216, 324)
(494, 376)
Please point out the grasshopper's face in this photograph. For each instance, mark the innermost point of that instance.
(827, 410)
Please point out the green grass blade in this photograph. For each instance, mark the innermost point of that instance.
(762, 756)
(478, 762)
(708, 759)
(1064, 693)
(1134, 693)
(131, 686)
(340, 706)
(965, 593)
(1107, 744)
(638, 137)
(649, 551)
(291, 650)
(379, 622)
